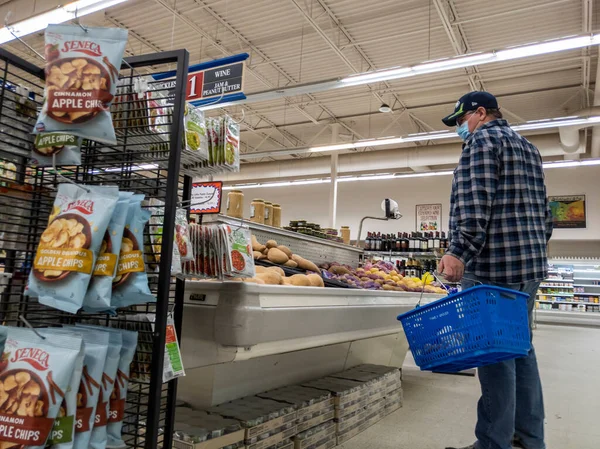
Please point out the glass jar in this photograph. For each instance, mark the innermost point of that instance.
(235, 204)
(277, 215)
(345, 231)
(257, 211)
(268, 213)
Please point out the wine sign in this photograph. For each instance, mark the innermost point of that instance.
(428, 217)
(206, 197)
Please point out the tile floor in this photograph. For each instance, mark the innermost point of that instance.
(440, 410)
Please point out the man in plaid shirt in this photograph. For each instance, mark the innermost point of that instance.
(500, 224)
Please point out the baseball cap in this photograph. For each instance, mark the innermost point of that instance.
(470, 102)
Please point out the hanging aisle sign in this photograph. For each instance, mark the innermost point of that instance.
(209, 81)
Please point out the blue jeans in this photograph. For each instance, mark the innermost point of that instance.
(511, 403)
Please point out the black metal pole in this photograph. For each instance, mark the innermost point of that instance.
(164, 276)
(178, 318)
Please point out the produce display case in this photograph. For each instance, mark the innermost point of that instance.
(233, 321)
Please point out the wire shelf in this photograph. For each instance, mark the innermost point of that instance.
(26, 198)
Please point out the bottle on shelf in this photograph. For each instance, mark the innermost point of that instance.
(436, 240)
(430, 241)
(398, 242)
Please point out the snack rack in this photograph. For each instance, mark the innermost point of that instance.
(26, 198)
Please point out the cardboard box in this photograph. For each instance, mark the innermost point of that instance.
(216, 443)
(392, 407)
(319, 406)
(328, 444)
(392, 385)
(358, 429)
(396, 396)
(339, 387)
(342, 411)
(316, 438)
(323, 417)
(351, 422)
(289, 445)
(274, 439)
(251, 432)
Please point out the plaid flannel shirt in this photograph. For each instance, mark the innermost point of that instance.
(500, 220)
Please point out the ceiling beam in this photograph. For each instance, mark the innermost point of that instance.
(586, 63)
(308, 16)
(257, 51)
(447, 13)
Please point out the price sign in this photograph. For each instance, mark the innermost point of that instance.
(428, 217)
(206, 197)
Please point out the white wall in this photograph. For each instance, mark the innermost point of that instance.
(358, 199)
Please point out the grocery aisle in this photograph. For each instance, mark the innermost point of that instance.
(440, 410)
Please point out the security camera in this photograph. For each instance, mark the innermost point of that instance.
(390, 207)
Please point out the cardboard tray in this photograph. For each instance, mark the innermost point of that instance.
(216, 443)
(305, 425)
(273, 439)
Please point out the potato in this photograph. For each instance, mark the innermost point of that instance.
(315, 280)
(277, 256)
(271, 244)
(300, 280)
(277, 270)
(259, 281)
(338, 269)
(260, 269)
(265, 251)
(305, 264)
(287, 281)
(270, 277)
(256, 246)
(290, 263)
(262, 257)
(256, 254)
(286, 250)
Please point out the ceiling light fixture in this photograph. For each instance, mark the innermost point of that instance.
(386, 176)
(58, 15)
(541, 48)
(385, 108)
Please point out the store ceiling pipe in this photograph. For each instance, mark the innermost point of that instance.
(569, 138)
(384, 161)
(595, 149)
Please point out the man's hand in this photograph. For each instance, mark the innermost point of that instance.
(452, 268)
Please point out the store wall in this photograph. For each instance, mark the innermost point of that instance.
(359, 199)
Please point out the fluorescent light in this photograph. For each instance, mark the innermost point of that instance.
(279, 184)
(535, 49)
(576, 163)
(557, 123)
(58, 15)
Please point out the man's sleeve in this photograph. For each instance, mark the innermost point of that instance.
(549, 221)
(476, 183)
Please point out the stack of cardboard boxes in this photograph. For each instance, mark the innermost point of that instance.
(318, 414)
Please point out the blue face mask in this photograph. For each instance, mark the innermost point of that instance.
(463, 131)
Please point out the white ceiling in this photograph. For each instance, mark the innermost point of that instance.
(301, 41)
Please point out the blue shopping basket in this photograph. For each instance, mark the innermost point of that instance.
(476, 327)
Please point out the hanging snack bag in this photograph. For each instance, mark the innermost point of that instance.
(63, 430)
(97, 298)
(95, 351)
(82, 70)
(239, 252)
(196, 140)
(68, 247)
(119, 394)
(130, 285)
(64, 148)
(99, 436)
(182, 236)
(35, 374)
(232, 144)
(157, 209)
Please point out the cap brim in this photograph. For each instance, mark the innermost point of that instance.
(451, 119)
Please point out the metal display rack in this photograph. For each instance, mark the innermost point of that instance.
(26, 202)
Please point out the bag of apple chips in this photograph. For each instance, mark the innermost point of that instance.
(95, 350)
(34, 378)
(68, 247)
(182, 236)
(64, 148)
(118, 397)
(82, 70)
(97, 298)
(99, 436)
(130, 285)
(63, 430)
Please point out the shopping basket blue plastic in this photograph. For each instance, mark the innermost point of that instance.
(476, 327)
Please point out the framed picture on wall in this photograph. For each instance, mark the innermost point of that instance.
(428, 217)
(568, 211)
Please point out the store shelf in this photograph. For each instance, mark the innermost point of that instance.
(586, 285)
(587, 279)
(403, 253)
(567, 302)
(565, 295)
(231, 321)
(586, 294)
(569, 281)
(555, 286)
(313, 248)
(567, 318)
